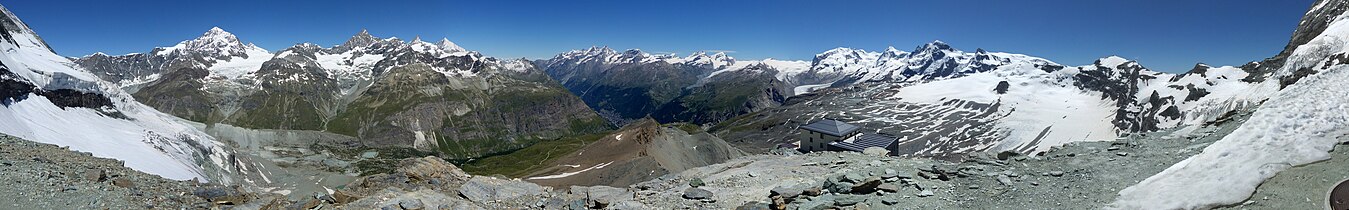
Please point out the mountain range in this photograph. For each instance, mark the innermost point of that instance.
(657, 115)
(384, 91)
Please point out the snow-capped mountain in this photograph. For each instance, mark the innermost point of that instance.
(46, 98)
(942, 101)
(385, 91)
(933, 61)
(629, 85)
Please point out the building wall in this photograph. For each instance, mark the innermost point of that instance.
(815, 141)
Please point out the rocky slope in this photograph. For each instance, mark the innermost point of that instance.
(385, 92)
(44, 176)
(641, 151)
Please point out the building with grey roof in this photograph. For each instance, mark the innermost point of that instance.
(834, 135)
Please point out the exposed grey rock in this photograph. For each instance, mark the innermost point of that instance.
(876, 151)
(96, 175)
(696, 182)
(554, 203)
(1004, 180)
(628, 204)
(837, 185)
(697, 194)
(123, 182)
(889, 200)
(868, 185)
(1056, 173)
(822, 202)
(754, 205)
(1122, 154)
(485, 189)
(848, 200)
(411, 204)
(216, 194)
(788, 191)
(604, 195)
(887, 187)
(925, 193)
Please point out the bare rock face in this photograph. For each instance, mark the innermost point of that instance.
(428, 168)
(415, 174)
(490, 189)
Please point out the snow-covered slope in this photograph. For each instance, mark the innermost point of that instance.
(1298, 125)
(47, 100)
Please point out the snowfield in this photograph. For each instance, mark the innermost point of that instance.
(1043, 110)
(146, 139)
(1297, 126)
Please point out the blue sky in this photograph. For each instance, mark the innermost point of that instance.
(1165, 35)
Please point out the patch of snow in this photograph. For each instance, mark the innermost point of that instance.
(798, 90)
(567, 174)
(239, 66)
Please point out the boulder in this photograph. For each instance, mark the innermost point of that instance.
(601, 196)
(697, 194)
(838, 186)
(1056, 173)
(866, 186)
(876, 151)
(96, 175)
(123, 182)
(696, 182)
(788, 191)
(1004, 155)
(887, 187)
(483, 189)
(1004, 180)
(926, 193)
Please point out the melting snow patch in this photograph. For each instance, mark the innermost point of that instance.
(567, 174)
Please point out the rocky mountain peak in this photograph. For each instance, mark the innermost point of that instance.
(717, 60)
(891, 52)
(361, 39)
(1112, 61)
(935, 45)
(447, 45)
(215, 41)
